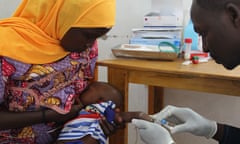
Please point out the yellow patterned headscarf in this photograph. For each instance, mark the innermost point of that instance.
(32, 35)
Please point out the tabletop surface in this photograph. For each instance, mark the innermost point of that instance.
(206, 69)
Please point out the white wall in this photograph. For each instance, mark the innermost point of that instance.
(129, 15)
(7, 7)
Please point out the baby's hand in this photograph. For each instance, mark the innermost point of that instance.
(110, 124)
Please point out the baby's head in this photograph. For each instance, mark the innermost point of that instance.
(101, 91)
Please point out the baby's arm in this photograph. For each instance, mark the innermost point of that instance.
(126, 117)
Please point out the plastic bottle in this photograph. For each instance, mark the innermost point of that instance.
(188, 47)
(190, 33)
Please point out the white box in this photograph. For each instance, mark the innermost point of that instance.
(153, 19)
(157, 32)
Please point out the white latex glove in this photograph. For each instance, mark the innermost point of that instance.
(186, 120)
(152, 133)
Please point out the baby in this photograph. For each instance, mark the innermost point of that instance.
(86, 129)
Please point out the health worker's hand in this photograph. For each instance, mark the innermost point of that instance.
(187, 120)
(152, 133)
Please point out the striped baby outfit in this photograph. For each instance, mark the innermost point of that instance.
(87, 123)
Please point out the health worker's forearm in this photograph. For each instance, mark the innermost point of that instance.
(227, 134)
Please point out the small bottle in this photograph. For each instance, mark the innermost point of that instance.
(188, 47)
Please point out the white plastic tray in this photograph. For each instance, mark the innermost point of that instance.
(143, 52)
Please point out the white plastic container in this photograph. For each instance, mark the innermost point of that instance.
(188, 47)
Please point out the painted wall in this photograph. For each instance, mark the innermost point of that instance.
(7, 7)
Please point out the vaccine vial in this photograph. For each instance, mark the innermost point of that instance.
(200, 43)
(164, 123)
(188, 47)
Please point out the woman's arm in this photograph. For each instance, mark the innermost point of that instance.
(10, 120)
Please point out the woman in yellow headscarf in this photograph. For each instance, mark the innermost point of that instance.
(36, 28)
(48, 53)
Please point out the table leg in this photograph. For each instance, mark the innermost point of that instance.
(155, 99)
(119, 79)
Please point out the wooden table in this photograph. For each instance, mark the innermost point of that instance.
(204, 77)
